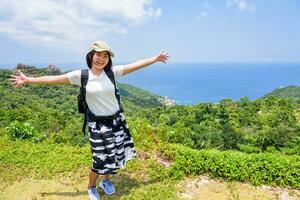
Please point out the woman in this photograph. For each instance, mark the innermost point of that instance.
(109, 136)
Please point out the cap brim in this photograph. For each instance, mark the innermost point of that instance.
(109, 51)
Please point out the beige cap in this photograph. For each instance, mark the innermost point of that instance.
(101, 46)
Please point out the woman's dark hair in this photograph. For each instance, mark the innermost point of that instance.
(89, 60)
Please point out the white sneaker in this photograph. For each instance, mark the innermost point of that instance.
(93, 194)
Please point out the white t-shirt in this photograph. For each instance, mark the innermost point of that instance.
(100, 91)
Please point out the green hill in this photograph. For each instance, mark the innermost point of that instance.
(287, 92)
(132, 96)
(53, 109)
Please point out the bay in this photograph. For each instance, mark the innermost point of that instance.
(192, 83)
(211, 82)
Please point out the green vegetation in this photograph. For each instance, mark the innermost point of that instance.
(265, 168)
(139, 97)
(263, 125)
(43, 159)
(142, 178)
(287, 92)
(253, 141)
(51, 111)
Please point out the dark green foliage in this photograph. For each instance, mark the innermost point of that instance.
(287, 92)
(257, 168)
(23, 131)
(250, 126)
(52, 110)
(138, 96)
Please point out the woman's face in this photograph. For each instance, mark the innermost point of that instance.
(100, 59)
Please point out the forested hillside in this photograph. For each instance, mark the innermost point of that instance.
(287, 92)
(249, 126)
(53, 109)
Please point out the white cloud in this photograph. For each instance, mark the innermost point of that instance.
(65, 23)
(205, 7)
(154, 13)
(202, 15)
(242, 5)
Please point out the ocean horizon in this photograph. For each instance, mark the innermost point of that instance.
(192, 83)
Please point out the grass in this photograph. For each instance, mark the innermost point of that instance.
(142, 178)
(263, 168)
(145, 177)
(41, 160)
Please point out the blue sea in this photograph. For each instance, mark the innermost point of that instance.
(192, 83)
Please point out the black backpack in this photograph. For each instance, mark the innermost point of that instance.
(81, 100)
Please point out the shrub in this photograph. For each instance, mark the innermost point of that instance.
(24, 131)
(264, 168)
(248, 148)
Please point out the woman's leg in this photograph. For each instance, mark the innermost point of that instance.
(106, 176)
(92, 178)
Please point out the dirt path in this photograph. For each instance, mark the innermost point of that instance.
(202, 187)
(197, 188)
(71, 186)
(44, 189)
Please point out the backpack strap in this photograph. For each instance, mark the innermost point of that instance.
(111, 76)
(84, 80)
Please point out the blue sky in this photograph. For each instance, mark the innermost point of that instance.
(53, 31)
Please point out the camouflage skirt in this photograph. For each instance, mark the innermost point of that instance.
(111, 144)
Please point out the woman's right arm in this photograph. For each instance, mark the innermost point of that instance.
(21, 79)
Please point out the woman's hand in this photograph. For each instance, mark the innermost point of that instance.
(162, 56)
(18, 80)
(21, 79)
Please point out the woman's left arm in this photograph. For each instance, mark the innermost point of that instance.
(161, 57)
